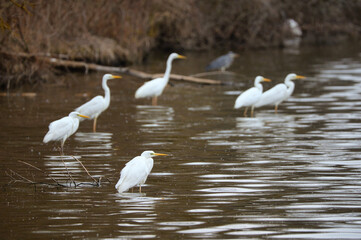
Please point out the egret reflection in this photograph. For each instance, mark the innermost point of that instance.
(94, 144)
(152, 118)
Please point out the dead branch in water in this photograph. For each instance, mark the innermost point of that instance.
(86, 170)
(46, 174)
(17, 177)
(212, 73)
(101, 68)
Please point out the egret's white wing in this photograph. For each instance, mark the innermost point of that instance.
(248, 98)
(151, 88)
(58, 129)
(93, 107)
(273, 96)
(135, 172)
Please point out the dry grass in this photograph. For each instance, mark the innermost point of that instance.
(124, 31)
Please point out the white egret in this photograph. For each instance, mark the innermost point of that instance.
(136, 171)
(291, 34)
(98, 104)
(63, 128)
(155, 87)
(279, 93)
(251, 96)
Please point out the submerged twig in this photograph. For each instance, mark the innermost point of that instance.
(16, 177)
(20, 176)
(67, 170)
(98, 183)
(46, 174)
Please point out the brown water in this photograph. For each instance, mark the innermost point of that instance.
(291, 175)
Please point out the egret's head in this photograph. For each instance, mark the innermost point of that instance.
(149, 154)
(293, 76)
(176, 55)
(261, 79)
(76, 114)
(110, 76)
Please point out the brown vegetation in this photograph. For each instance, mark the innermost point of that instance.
(120, 32)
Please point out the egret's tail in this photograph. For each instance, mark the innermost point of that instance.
(120, 186)
(237, 105)
(48, 137)
(239, 102)
(139, 93)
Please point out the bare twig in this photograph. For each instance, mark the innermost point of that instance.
(20, 176)
(21, 6)
(16, 177)
(46, 174)
(86, 170)
(67, 170)
(9, 175)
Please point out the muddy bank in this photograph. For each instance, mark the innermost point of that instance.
(123, 32)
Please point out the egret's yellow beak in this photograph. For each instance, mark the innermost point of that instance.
(115, 76)
(83, 116)
(160, 154)
(300, 77)
(181, 57)
(266, 80)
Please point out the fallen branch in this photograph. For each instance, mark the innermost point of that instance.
(20, 176)
(16, 177)
(97, 182)
(67, 170)
(212, 73)
(101, 68)
(30, 165)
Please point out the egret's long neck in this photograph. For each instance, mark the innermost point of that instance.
(259, 86)
(106, 91)
(168, 69)
(290, 85)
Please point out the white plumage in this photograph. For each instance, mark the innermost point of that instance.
(279, 93)
(155, 87)
(251, 96)
(136, 171)
(63, 128)
(98, 104)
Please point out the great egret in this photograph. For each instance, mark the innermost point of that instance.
(63, 128)
(251, 96)
(223, 62)
(136, 171)
(155, 87)
(291, 34)
(98, 104)
(279, 93)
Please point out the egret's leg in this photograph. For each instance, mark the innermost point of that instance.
(276, 108)
(62, 147)
(252, 110)
(140, 188)
(154, 101)
(95, 124)
(245, 112)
